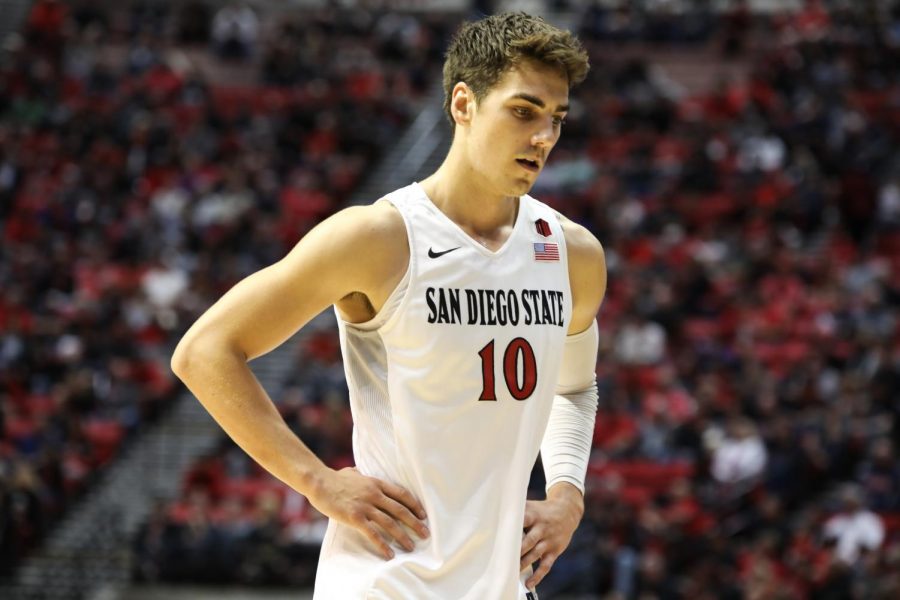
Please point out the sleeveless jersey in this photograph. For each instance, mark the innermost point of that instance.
(450, 389)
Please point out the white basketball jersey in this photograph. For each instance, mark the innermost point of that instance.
(450, 388)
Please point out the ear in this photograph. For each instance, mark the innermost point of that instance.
(462, 103)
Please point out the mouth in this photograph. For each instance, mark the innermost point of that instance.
(529, 165)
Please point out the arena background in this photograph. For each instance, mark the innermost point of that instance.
(738, 160)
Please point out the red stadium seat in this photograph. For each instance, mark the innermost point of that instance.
(104, 437)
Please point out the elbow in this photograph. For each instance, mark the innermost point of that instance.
(181, 362)
(188, 355)
(196, 355)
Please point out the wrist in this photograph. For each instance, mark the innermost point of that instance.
(311, 479)
(566, 494)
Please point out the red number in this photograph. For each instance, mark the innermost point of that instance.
(510, 370)
(529, 369)
(487, 372)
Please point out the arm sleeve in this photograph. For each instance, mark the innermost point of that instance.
(566, 447)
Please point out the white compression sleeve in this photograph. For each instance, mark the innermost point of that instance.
(566, 447)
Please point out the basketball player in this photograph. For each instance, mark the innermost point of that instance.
(467, 312)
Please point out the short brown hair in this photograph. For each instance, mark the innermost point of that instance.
(482, 51)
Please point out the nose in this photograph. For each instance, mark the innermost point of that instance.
(545, 135)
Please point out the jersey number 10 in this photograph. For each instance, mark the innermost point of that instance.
(517, 347)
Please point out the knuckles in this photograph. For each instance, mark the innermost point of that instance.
(357, 515)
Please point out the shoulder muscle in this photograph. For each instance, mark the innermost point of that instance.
(587, 273)
(359, 249)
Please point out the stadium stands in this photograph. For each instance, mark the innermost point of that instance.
(750, 363)
(134, 190)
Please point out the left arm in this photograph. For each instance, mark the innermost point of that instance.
(549, 524)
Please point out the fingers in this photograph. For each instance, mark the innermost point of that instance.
(391, 527)
(404, 497)
(371, 532)
(380, 529)
(529, 541)
(402, 514)
(390, 506)
(548, 531)
(530, 515)
(542, 570)
(381, 511)
(533, 555)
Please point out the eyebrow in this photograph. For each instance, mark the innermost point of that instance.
(538, 102)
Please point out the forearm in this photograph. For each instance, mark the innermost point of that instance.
(226, 387)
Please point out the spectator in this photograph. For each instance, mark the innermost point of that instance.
(45, 28)
(154, 559)
(879, 477)
(235, 31)
(640, 341)
(740, 457)
(856, 530)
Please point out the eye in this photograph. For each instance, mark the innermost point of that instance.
(559, 121)
(522, 112)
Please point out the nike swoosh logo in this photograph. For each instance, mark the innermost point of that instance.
(433, 254)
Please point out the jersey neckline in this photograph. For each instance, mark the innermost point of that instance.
(469, 240)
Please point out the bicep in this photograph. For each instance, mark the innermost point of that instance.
(587, 278)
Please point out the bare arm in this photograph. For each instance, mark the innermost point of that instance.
(265, 309)
(587, 275)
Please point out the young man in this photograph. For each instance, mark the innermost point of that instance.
(467, 318)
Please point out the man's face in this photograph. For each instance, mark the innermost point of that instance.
(515, 126)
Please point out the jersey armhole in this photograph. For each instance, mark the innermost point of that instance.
(385, 317)
(390, 308)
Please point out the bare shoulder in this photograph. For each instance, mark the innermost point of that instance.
(583, 247)
(384, 217)
(370, 234)
(376, 245)
(379, 222)
(587, 273)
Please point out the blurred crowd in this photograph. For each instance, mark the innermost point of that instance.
(746, 444)
(233, 523)
(135, 190)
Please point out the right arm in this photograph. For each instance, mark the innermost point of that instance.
(360, 250)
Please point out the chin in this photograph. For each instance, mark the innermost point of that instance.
(521, 187)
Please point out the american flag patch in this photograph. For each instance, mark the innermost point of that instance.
(546, 251)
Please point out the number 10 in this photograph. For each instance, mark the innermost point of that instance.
(510, 370)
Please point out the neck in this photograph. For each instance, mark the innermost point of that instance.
(461, 193)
